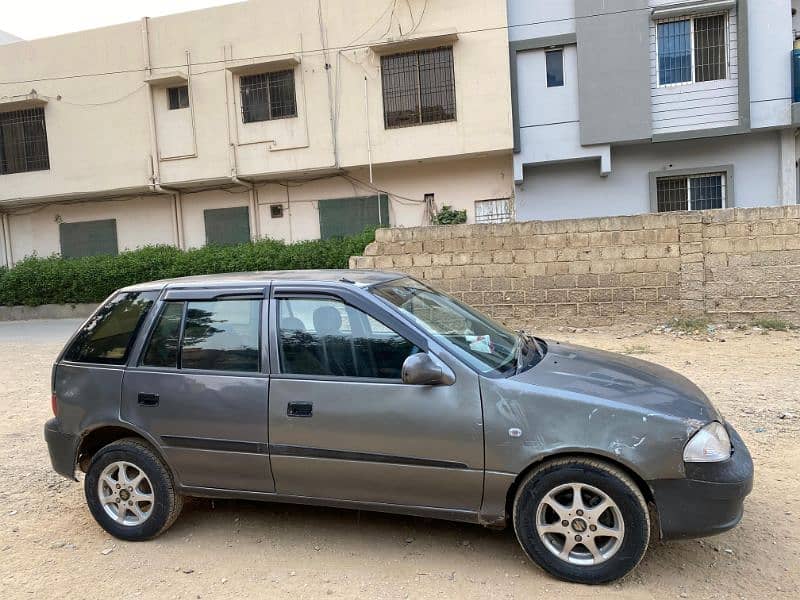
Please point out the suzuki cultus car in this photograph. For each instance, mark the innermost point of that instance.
(373, 391)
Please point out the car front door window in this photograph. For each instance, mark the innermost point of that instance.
(325, 337)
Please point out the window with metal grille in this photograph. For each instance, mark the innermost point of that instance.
(227, 226)
(418, 88)
(710, 49)
(554, 65)
(268, 96)
(23, 141)
(693, 192)
(492, 211)
(178, 97)
(693, 50)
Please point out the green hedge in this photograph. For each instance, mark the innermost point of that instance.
(55, 280)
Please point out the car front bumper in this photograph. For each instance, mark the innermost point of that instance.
(710, 500)
(62, 448)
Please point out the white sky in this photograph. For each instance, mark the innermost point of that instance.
(31, 19)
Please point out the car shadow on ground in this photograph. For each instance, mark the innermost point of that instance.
(291, 527)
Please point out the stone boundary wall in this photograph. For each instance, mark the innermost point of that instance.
(733, 265)
(46, 311)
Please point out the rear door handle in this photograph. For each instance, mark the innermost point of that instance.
(148, 399)
(299, 409)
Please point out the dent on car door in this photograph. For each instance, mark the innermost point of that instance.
(344, 426)
(200, 387)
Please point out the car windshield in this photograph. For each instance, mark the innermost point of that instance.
(486, 345)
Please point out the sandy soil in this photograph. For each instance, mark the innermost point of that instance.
(51, 548)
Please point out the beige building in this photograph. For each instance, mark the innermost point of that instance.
(254, 120)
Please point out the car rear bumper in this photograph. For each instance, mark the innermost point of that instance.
(710, 500)
(62, 449)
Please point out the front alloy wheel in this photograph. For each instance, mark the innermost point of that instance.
(580, 524)
(582, 520)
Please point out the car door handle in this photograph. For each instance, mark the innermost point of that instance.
(299, 409)
(148, 399)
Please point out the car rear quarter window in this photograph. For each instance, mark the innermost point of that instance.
(108, 336)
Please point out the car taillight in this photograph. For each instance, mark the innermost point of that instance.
(54, 404)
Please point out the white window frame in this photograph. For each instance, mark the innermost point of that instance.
(722, 175)
(691, 19)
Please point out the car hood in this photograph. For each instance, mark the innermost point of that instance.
(622, 380)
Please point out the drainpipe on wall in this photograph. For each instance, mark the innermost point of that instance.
(326, 58)
(177, 212)
(369, 135)
(6, 222)
(154, 157)
(788, 167)
(255, 221)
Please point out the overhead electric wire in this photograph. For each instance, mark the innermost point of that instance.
(314, 51)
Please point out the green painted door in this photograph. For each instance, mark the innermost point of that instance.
(341, 217)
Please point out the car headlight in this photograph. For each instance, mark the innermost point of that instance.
(709, 444)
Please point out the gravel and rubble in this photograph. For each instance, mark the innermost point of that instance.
(51, 548)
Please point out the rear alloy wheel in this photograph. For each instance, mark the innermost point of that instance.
(126, 493)
(582, 520)
(130, 492)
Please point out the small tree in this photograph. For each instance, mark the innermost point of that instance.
(448, 216)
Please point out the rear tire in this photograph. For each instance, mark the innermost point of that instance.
(130, 491)
(599, 538)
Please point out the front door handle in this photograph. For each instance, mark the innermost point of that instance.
(299, 409)
(148, 399)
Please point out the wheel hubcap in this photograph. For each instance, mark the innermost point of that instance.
(125, 493)
(580, 524)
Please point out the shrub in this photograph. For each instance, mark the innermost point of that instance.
(448, 216)
(55, 280)
(690, 324)
(637, 349)
(772, 324)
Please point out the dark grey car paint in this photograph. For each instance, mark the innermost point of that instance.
(429, 439)
(446, 451)
(577, 398)
(194, 407)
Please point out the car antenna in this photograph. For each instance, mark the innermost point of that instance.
(346, 280)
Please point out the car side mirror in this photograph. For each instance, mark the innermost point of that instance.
(422, 369)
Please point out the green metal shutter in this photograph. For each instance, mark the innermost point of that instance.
(341, 217)
(88, 238)
(227, 226)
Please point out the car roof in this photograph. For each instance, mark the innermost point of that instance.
(362, 278)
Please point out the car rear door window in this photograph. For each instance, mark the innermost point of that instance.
(222, 335)
(326, 337)
(108, 336)
(162, 349)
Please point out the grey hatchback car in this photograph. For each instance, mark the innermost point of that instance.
(370, 390)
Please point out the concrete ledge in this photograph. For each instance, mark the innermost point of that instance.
(46, 311)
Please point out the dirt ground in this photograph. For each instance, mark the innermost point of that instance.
(51, 548)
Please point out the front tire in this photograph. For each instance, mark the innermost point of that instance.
(582, 520)
(130, 491)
